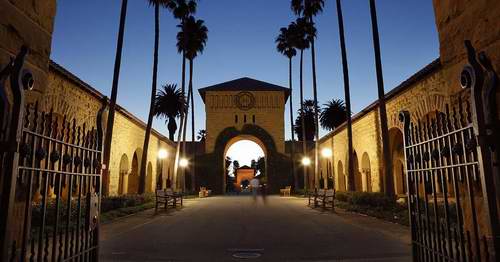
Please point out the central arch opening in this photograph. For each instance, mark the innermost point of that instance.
(244, 159)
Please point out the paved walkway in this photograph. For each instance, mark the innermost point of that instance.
(283, 229)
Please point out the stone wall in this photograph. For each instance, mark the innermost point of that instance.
(460, 20)
(28, 23)
(421, 94)
(69, 96)
(268, 113)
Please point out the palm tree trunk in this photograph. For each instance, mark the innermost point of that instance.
(112, 104)
(184, 131)
(144, 159)
(345, 71)
(172, 127)
(303, 121)
(316, 113)
(175, 181)
(292, 126)
(193, 141)
(388, 181)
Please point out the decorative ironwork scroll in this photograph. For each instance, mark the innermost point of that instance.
(53, 198)
(451, 194)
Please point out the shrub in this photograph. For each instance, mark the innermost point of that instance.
(372, 199)
(115, 202)
(343, 196)
(366, 199)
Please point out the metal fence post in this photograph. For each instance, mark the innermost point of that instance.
(19, 79)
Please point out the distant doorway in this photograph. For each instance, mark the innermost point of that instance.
(245, 159)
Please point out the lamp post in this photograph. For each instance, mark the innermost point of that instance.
(183, 163)
(306, 162)
(327, 154)
(162, 154)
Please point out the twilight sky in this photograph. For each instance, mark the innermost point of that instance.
(241, 43)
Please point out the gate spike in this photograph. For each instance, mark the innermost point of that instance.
(50, 123)
(35, 117)
(461, 112)
(83, 134)
(27, 116)
(455, 119)
(448, 120)
(73, 132)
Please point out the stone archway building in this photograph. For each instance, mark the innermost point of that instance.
(242, 109)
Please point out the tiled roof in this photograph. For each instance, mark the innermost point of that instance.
(244, 84)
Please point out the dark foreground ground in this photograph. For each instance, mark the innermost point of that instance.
(223, 228)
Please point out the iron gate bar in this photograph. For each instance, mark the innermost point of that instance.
(448, 159)
(12, 136)
(55, 168)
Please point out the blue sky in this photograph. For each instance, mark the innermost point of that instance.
(241, 43)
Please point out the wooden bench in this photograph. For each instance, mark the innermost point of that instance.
(168, 198)
(312, 196)
(161, 198)
(177, 198)
(285, 191)
(326, 199)
(204, 192)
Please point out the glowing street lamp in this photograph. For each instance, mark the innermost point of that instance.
(306, 161)
(183, 163)
(162, 153)
(326, 152)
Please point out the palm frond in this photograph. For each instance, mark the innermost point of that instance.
(333, 114)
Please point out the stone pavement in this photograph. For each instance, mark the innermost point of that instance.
(282, 229)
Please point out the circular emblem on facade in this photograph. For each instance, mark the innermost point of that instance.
(245, 100)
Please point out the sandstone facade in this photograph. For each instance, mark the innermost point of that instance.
(268, 113)
(71, 97)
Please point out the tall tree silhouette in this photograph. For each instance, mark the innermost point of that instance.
(142, 171)
(345, 70)
(388, 181)
(191, 40)
(285, 44)
(304, 31)
(306, 115)
(170, 104)
(333, 114)
(309, 9)
(181, 9)
(112, 102)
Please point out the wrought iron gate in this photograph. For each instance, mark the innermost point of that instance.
(51, 179)
(450, 172)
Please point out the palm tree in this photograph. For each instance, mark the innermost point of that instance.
(114, 93)
(345, 70)
(202, 135)
(170, 104)
(286, 46)
(306, 115)
(309, 9)
(333, 114)
(303, 31)
(181, 9)
(142, 179)
(191, 41)
(388, 182)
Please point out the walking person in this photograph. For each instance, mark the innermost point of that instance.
(254, 184)
(263, 190)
